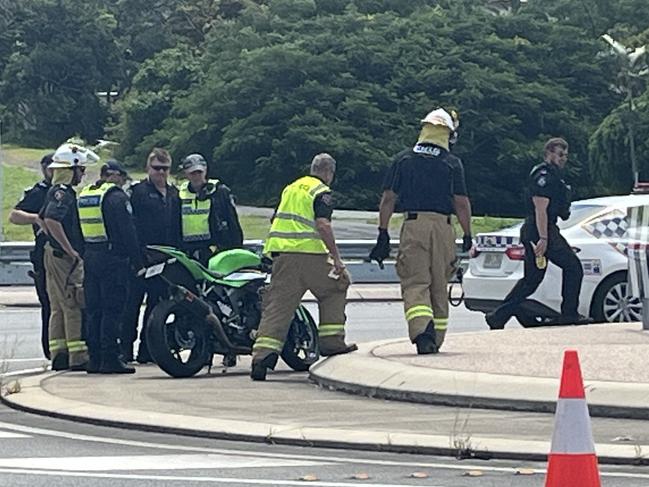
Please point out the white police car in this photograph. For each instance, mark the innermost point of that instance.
(595, 230)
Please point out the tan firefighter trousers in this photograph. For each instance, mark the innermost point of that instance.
(64, 285)
(293, 274)
(424, 265)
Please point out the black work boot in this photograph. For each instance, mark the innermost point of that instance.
(61, 361)
(339, 351)
(575, 320)
(80, 367)
(425, 341)
(113, 365)
(260, 367)
(494, 321)
(93, 365)
(143, 355)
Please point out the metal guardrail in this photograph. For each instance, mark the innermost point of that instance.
(15, 264)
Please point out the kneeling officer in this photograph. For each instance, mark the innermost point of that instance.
(112, 253)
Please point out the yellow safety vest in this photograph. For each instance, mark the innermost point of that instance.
(293, 228)
(195, 214)
(90, 215)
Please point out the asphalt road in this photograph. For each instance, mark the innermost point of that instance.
(37, 451)
(20, 329)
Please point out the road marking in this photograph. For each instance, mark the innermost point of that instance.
(7, 435)
(217, 480)
(150, 462)
(11, 360)
(22, 372)
(329, 459)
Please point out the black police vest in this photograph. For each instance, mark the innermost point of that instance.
(560, 193)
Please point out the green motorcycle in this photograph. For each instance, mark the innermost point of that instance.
(215, 310)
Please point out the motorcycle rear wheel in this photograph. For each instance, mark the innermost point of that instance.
(178, 342)
(301, 348)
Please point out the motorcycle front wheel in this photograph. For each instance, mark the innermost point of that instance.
(301, 349)
(178, 342)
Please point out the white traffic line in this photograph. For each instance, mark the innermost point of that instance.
(185, 461)
(12, 360)
(214, 480)
(316, 458)
(23, 372)
(4, 435)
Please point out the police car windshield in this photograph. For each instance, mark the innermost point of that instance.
(579, 213)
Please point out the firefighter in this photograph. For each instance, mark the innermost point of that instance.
(305, 257)
(63, 257)
(427, 184)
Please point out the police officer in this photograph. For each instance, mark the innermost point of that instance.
(112, 252)
(156, 211)
(26, 213)
(63, 257)
(548, 199)
(209, 216)
(429, 183)
(305, 257)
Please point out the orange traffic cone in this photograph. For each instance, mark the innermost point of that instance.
(572, 461)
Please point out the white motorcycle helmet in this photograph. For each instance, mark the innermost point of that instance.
(72, 155)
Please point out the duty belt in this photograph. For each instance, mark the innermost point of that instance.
(412, 215)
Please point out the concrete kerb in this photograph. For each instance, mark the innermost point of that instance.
(357, 297)
(392, 380)
(34, 399)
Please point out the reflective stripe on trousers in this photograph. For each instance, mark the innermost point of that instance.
(268, 343)
(331, 329)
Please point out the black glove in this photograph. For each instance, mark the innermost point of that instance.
(564, 215)
(381, 250)
(467, 243)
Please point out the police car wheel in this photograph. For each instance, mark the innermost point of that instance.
(178, 343)
(612, 303)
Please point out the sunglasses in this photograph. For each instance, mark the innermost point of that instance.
(160, 168)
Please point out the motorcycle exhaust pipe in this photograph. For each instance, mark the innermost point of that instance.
(217, 327)
(199, 307)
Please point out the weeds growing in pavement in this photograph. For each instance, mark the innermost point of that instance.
(460, 439)
(7, 352)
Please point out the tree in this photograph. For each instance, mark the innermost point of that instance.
(355, 81)
(51, 77)
(616, 133)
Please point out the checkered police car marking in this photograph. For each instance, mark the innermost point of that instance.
(613, 228)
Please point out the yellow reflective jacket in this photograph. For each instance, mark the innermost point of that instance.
(293, 228)
(90, 215)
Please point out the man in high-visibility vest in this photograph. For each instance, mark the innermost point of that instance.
(112, 253)
(305, 257)
(209, 216)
